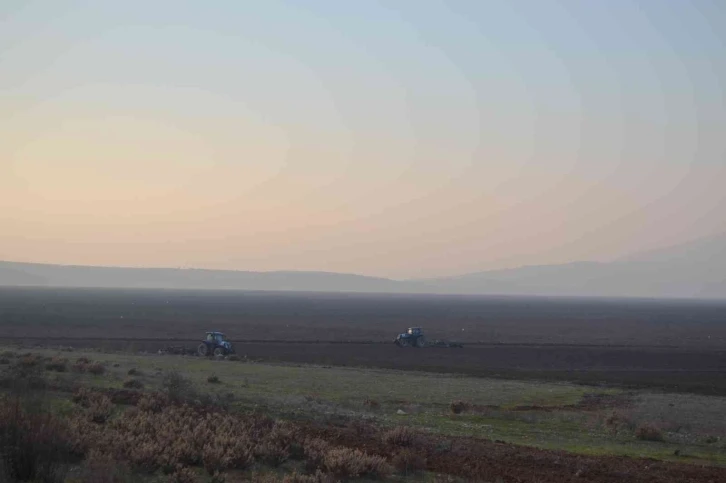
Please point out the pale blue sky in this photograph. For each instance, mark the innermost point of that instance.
(397, 138)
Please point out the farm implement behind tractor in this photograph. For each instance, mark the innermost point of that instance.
(414, 337)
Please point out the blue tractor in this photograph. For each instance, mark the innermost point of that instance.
(215, 343)
(413, 337)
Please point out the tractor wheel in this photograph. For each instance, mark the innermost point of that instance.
(203, 350)
(218, 352)
(421, 342)
(402, 343)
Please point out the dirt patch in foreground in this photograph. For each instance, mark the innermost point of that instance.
(480, 460)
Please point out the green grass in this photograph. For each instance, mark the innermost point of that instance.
(313, 392)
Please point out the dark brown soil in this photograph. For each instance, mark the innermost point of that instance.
(670, 345)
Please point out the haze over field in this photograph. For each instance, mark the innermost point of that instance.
(692, 270)
(410, 142)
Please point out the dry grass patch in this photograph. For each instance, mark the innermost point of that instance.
(400, 436)
(408, 462)
(133, 384)
(649, 432)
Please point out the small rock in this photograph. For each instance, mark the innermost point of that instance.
(400, 411)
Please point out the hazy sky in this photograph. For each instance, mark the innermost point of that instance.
(398, 138)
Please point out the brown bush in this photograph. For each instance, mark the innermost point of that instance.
(183, 474)
(79, 367)
(57, 364)
(315, 450)
(459, 406)
(96, 368)
(649, 432)
(174, 436)
(213, 379)
(97, 407)
(318, 477)
(28, 360)
(134, 372)
(103, 468)
(153, 402)
(178, 388)
(353, 463)
(34, 445)
(83, 360)
(276, 445)
(408, 462)
(399, 436)
(133, 384)
(371, 404)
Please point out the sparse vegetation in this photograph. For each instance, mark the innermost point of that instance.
(34, 443)
(57, 364)
(133, 384)
(400, 436)
(178, 428)
(95, 368)
(649, 432)
(459, 406)
(408, 462)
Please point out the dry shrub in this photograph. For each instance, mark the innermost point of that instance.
(57, 364)
(28, 360)
(371, 404)
(315, 451)
(83, 360)
(97, 407)
(408, 462)
(133, 384)
(34, 444)
(649, 432)
(399, 436)
(619, 420)
(178, 388)
(354, 463)
(183, 474)
(79, 367)
(317, 477)
(126, 397)
(275, 446)
(174, 436)
(458, 406)
(102, 468)
(153, 402)
(445, 479)
(96, 368)
(134, 372)
(213, 379)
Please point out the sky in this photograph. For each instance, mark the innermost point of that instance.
(400, 139)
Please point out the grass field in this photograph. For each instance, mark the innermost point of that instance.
(689, 429)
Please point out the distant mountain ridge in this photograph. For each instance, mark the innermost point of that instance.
(692, 270)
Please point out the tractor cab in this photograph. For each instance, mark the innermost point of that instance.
(413, 337)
